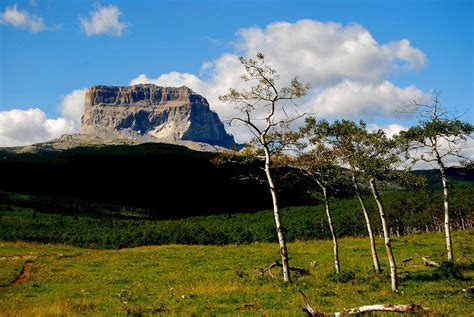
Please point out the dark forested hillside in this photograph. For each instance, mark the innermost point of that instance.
(156, 180)
(168, 181)
(456, 176)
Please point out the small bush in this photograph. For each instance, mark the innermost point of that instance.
(448, 270)
(343, 277)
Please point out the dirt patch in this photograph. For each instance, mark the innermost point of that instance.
(24, 275)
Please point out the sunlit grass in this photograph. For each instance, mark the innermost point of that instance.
(222, 280)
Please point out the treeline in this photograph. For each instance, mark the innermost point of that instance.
(407, 212)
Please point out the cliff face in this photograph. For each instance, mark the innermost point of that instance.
(152, 113)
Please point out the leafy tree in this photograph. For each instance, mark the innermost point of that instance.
(375, 161)
(345, 139)
(319, 165)
(438, 137)
(258, 108)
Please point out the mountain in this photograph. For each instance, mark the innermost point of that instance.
(150, 113)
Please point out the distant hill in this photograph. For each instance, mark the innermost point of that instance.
(162, 180)
(167, 180)
(456, 176)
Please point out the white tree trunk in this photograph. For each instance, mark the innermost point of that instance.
(447, 229)
(388, 246)
(276, 214)
(331, 228)
(373, 249)
(444, 180)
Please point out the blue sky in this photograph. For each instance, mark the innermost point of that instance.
(40, 67)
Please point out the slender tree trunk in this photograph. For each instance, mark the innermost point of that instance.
(276, 214)
(444, 180)
(388, 246)
(373, 249)
(447, 229)
(331, 228)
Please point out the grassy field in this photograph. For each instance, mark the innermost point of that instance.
(222, 280)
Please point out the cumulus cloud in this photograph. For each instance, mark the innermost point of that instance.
(390, 130)
(346, 66)
(411, 58)
(103, 20)
(355, 99)
(72, 107)
(22, 127)
(172, 79)
(21, 19)
(326, 53)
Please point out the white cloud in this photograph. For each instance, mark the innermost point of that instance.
(172, 79)
(21, 19)
(22, 127)
(72, 107)
(345, 65)
(326, 53)
(412, 58)
(354, 99)
(390, 130)
(103, 20)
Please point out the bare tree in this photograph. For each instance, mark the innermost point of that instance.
(438, 137)
(258, 107)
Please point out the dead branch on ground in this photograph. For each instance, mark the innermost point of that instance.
(392, 308)
(262, 271)
(428, 262)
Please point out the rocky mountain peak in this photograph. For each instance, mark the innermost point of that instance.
(142, 94)
(150, 113)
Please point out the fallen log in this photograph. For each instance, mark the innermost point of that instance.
(262, 271)
(392, 308)
(428, 262)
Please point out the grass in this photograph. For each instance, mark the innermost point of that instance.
(222, 280)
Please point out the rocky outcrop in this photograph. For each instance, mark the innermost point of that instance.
(152, 113)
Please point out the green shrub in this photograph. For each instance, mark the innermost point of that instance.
(448, 270)
(343, 277)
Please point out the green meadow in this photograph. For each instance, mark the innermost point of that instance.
(223, 280)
